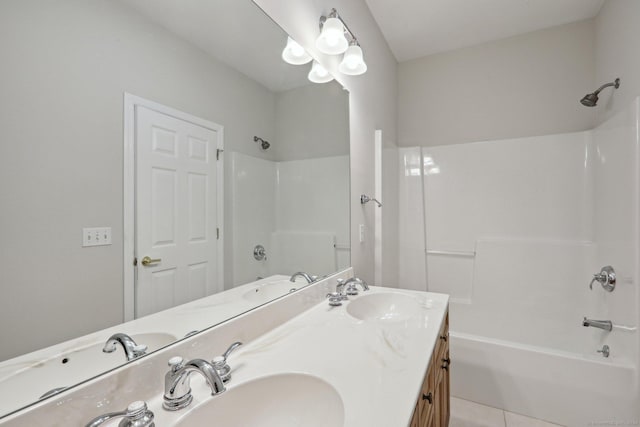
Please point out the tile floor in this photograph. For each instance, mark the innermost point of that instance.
(470, 414)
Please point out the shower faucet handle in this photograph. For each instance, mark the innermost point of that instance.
(606, 277)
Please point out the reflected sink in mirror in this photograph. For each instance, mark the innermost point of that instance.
(293, 400)
(35, 378)
(384, 307)
(271, 290)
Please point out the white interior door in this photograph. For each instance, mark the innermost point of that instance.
(176, 213)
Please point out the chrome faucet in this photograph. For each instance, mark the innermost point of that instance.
(136, 415)
(601, 324)
(309, 279)
(131, 349)
(177, 388)
(351, 286)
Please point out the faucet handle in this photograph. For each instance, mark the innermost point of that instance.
(606, 277)
(139, 350)
(136, 415)
(176, 363)
(336, 298)
(220, 362)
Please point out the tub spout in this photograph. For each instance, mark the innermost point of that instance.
(601, 324)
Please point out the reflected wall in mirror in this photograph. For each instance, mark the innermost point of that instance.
(66, 68)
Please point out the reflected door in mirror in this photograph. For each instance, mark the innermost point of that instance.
(176, 206)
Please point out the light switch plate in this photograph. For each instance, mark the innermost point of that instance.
(96, 236)
(361, 230)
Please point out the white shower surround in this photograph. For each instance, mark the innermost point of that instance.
(528, 221)
(301, 207)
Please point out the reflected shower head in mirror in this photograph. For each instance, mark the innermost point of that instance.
(591, 99)
(264, 144)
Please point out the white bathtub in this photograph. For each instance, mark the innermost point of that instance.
(559, 387)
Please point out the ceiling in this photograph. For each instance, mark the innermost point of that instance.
(253, 48)
(417, 28)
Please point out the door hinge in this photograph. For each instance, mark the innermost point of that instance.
(218, 151)
(217, 233)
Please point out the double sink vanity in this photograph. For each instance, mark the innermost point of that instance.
(379, 358)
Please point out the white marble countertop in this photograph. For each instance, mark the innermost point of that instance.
(376, 367)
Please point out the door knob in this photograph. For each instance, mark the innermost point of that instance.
(147, 261)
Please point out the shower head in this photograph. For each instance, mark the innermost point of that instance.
(264, 144)
(591, 99)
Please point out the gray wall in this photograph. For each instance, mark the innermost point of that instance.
(525, 85)
(372, 101)
(65, 66)
(617, 53)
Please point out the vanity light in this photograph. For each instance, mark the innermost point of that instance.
(353, 63)
(331, 39)
(336, 38)
(319, 74)
(295, 54)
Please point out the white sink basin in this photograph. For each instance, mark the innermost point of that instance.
(384, 307)
(283, 400)
(271, 290)
(34, 378)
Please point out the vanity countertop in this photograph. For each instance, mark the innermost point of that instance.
(377, 367)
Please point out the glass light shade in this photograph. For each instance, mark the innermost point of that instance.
(353, 63)
(295, 54)
(332, 40)
(319, 74)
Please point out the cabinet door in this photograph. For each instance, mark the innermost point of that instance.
(427, 401)
(440, 366)
(415, 421)
(432, 408)
(444, 398)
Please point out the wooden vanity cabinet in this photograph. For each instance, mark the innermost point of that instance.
(432, 408)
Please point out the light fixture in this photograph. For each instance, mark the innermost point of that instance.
(331, 39)
(319, 74)
(336, 38)
(353, 63)
(295, 54)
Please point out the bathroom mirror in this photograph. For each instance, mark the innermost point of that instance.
(66, 67)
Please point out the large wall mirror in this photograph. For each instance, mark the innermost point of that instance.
(67, 67)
